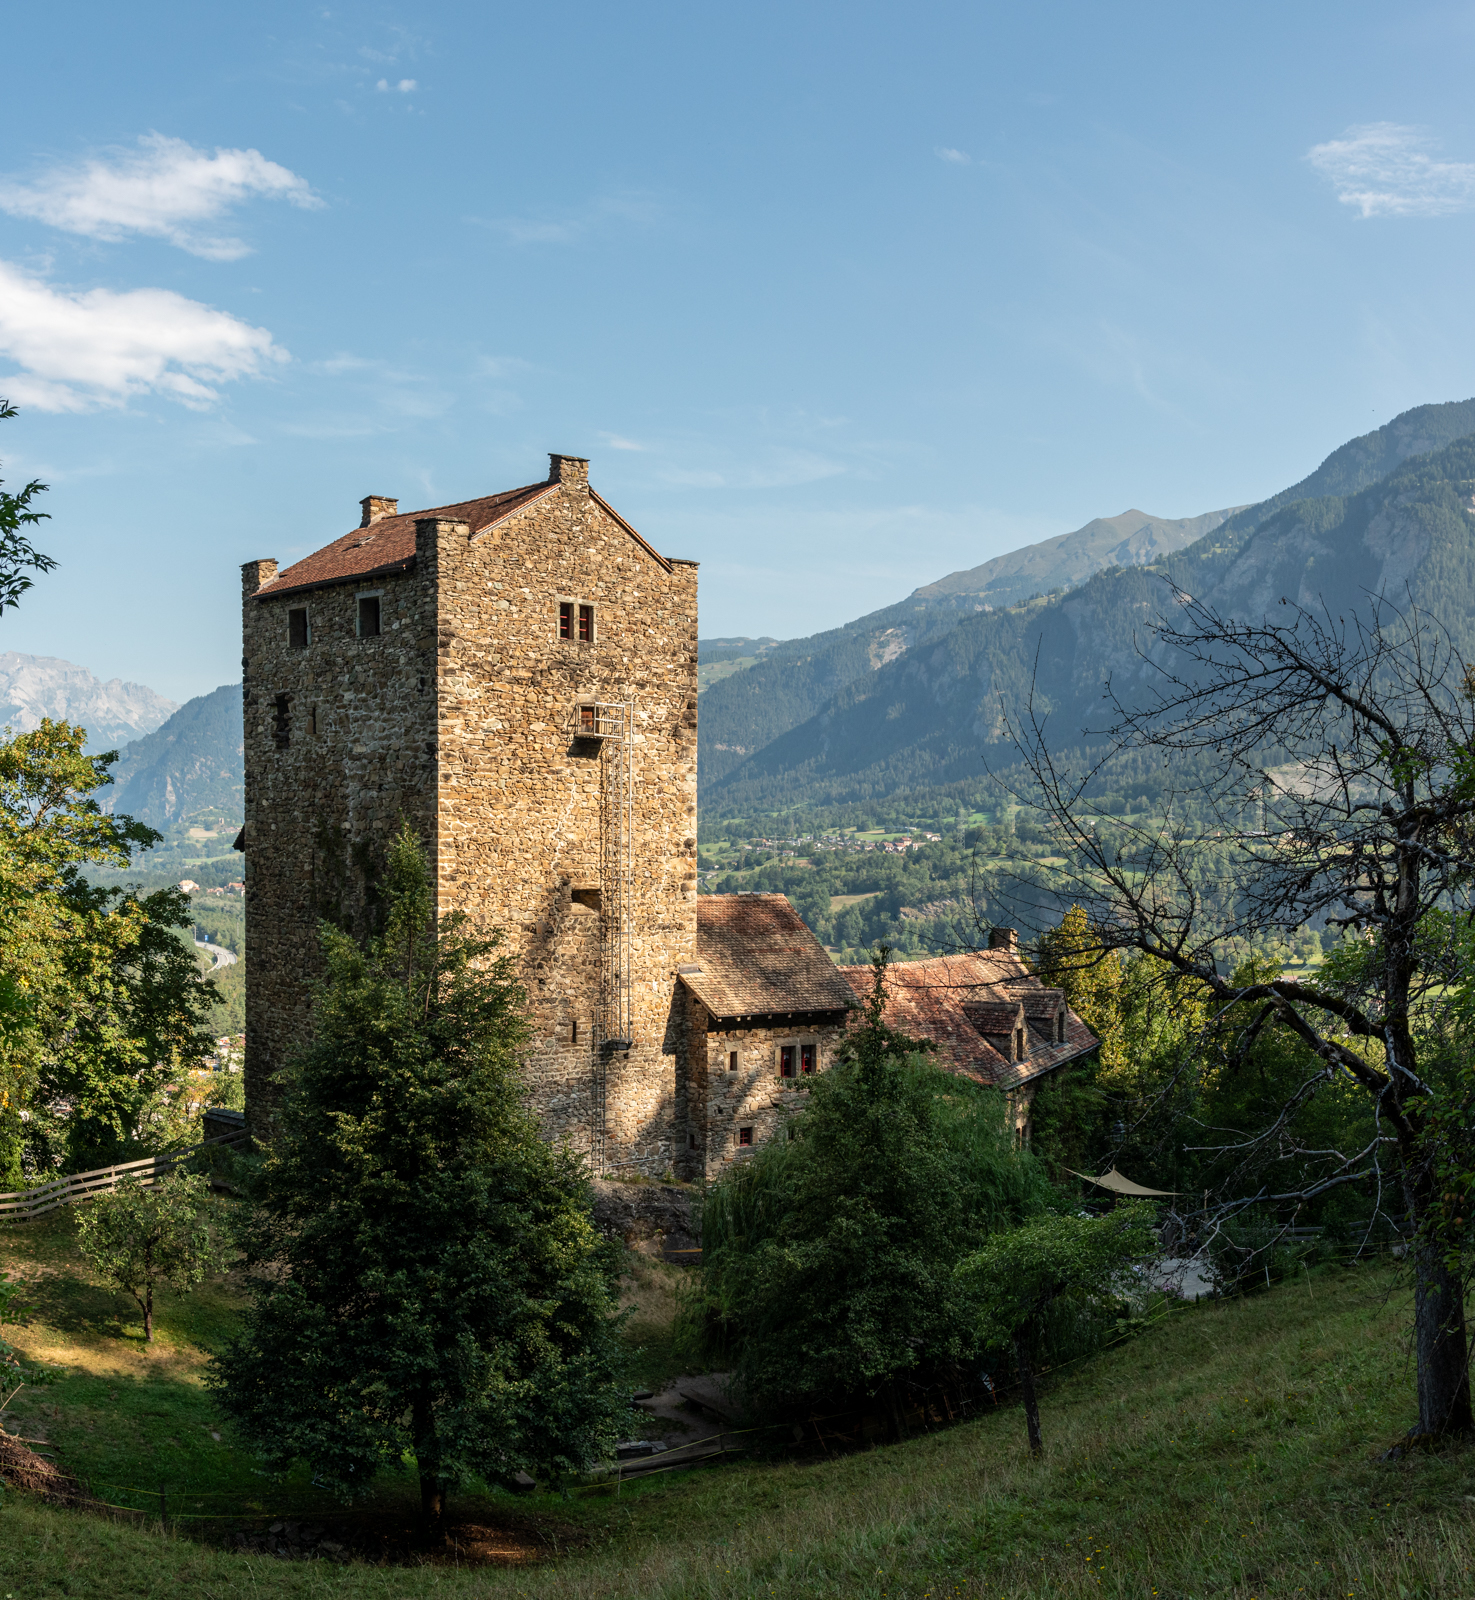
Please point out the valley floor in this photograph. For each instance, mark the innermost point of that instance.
(1233, 1449)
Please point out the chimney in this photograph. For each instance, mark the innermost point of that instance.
(376, 506)
(1005, 939)
(256, 573)
(572, 470)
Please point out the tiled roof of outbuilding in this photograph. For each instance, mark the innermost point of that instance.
(939, 999)
(388, 545)
(755, 957)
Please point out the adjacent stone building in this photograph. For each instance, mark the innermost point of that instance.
(515, 676)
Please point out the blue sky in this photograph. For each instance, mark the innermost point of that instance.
(837, 298)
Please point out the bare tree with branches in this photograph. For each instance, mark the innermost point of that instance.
(1335, 759)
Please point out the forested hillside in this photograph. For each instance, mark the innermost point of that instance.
(934, 715)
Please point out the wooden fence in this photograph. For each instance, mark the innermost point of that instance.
(25, 1204)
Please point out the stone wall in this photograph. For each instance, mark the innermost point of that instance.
(339, 744)
(724, 1100)
(461, 716)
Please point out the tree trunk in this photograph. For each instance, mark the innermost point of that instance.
(1027, 1388)
(148, 1314)
(1441, 1345)
(427, 1459)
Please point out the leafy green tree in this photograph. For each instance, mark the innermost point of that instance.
(426, 1277)
(139, 1238)
(101, 1006)
(828, 1260)
(17, 513)
(1019, 1275)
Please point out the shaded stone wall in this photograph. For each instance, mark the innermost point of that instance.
(339, 744)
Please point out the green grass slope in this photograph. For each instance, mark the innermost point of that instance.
(1231, 1450)
(809, 686)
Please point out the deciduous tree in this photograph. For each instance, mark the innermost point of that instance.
(1335, 759)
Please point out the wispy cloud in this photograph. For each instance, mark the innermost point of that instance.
(570, 227)
(404, 86)
(1388, 170)
(81, 351)
(166, 189)
(959, 158)
(616, 441)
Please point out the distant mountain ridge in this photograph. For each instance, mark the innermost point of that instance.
(741, 712)
(33, 687)
(194, 762)
(1388, 512)
(1131, 540)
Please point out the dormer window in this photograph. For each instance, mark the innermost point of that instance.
(1060, 1028)
(1021, 1046)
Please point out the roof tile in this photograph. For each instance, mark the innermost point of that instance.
(755, 957)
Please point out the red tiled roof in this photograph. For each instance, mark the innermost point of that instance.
(755, 957)
(938, 1000)
(388, 545)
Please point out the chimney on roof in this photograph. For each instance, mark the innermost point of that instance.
(572, 470)
(1005, 939)
(376, 506)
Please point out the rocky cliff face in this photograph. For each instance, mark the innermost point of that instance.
(33, 687)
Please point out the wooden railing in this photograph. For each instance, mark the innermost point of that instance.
(24, 1204)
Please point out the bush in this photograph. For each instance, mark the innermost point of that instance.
(828, 1258)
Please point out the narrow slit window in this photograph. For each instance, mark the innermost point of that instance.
(1019, 1050)
(745, 1136)
(786, 1060)
(1060, 1028)
(312, 721)
(806, 1058)
(573, 1033)
(565, 619)
(586, 624)
(691, 1141)
(732, 1060)
(368, 616)
(297, 628)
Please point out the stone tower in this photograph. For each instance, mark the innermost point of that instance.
(516, 676)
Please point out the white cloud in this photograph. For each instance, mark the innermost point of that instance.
(616, 441)
(165, 189)
(1387, 170)
(959, 157)
(79, 351)
(404, 86)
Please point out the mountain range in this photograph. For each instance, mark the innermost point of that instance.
(33, 687)
(194, 763)
(848, 716)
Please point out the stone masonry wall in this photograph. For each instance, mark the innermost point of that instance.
(754, 1095)
(339, 744)
(520, 795)
(460, 716)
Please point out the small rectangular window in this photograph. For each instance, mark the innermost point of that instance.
(732, 1060)
(369, 616)
(1060, 1029)
(1019, 1050)
(806, 1058)
(786, 1060)
(297, 628)
(586, 624)
(691, 1141)
(312, 721)
(588, 719)
(745, 1136)
(565, 619)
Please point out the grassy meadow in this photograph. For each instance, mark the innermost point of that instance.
(1232, 1449)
